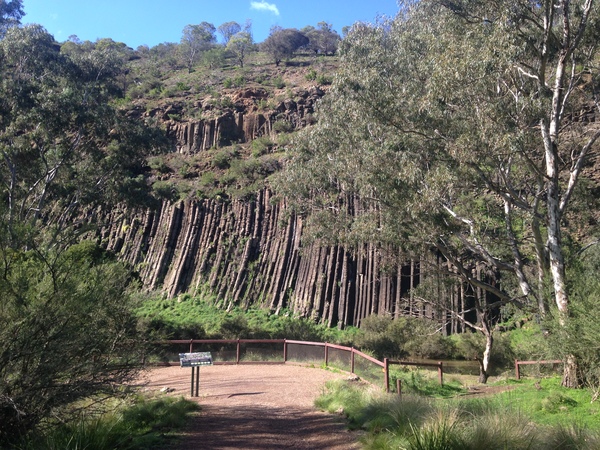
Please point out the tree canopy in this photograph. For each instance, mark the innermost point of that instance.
(459, 126)
(67, 327)
(283, 43)
(195, 39)
(11, 12)
(62, 141)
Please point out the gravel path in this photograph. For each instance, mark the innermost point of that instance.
(258, 407)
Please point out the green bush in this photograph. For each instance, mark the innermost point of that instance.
(138, 426)
(222, 158)
(323, 79)
(278, 82)
(261, 146)
(400, 337)
(283, 126)
(165, 190)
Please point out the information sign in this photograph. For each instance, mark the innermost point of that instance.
(195, 359)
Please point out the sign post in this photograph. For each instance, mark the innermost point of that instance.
(195, 360)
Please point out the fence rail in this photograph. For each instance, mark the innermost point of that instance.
(439, 365)
(287, 350)
(518, 365)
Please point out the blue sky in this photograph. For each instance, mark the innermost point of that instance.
(150, 22)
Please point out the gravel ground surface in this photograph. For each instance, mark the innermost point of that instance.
(259, 407)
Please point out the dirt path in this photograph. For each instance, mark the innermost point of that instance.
(256, 407)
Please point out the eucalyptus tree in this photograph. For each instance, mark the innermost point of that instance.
(282, 43)
(240, 44)
(11, 13)
(461, 127)
(67, 331)
(323, 39)
(63, 143)
(195, 39)
(229, 29)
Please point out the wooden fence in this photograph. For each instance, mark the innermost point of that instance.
(523, 363)
(350, 359)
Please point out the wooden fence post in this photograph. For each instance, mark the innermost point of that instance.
(352, 361)
(399, 386)
(386, 369)
(441, 372)
(326, 354)
(285, 350)
(237, 352)
(517, 371)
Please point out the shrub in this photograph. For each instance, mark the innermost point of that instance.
(68, 333)
(165, 190)
(398, 338)
(278, 82)
(158, 163)
(222, 158)
(261, 146)
(283, 126)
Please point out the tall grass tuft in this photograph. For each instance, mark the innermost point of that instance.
(134, 427)
(498, 429)
(571, 437)
(439, 432)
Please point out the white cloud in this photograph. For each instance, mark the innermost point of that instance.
(264, 6)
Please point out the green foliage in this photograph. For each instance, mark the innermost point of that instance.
(323, 79)
(166, 190)
(528, 343)
(428, 133)
(67, 331)
(283, 126)
(471, 346)
(238, 81)
(311, 75)
(261, 146)
(424, 383)
(504, 421)
(581, 335)
(283, 43)
(60, 133)
(278, 82)
(222, 158)
(198, 318)
(11, 13)
(135, 426)
(400, 337)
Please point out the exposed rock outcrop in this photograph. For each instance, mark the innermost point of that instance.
(242, 122)
(250, 253)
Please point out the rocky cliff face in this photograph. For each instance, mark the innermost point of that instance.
(243, 122)
(251, 252)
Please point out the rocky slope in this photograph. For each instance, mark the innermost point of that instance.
(251, 251)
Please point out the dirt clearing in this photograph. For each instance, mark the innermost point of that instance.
(258, 407)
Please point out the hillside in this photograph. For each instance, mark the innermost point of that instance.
(219, 231)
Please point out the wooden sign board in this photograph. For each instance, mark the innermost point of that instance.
(195, 359)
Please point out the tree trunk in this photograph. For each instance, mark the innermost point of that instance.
(484, 363)
(570, 378)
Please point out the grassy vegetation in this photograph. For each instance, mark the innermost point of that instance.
(140, 423)
(526, 417)
(190, 317)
